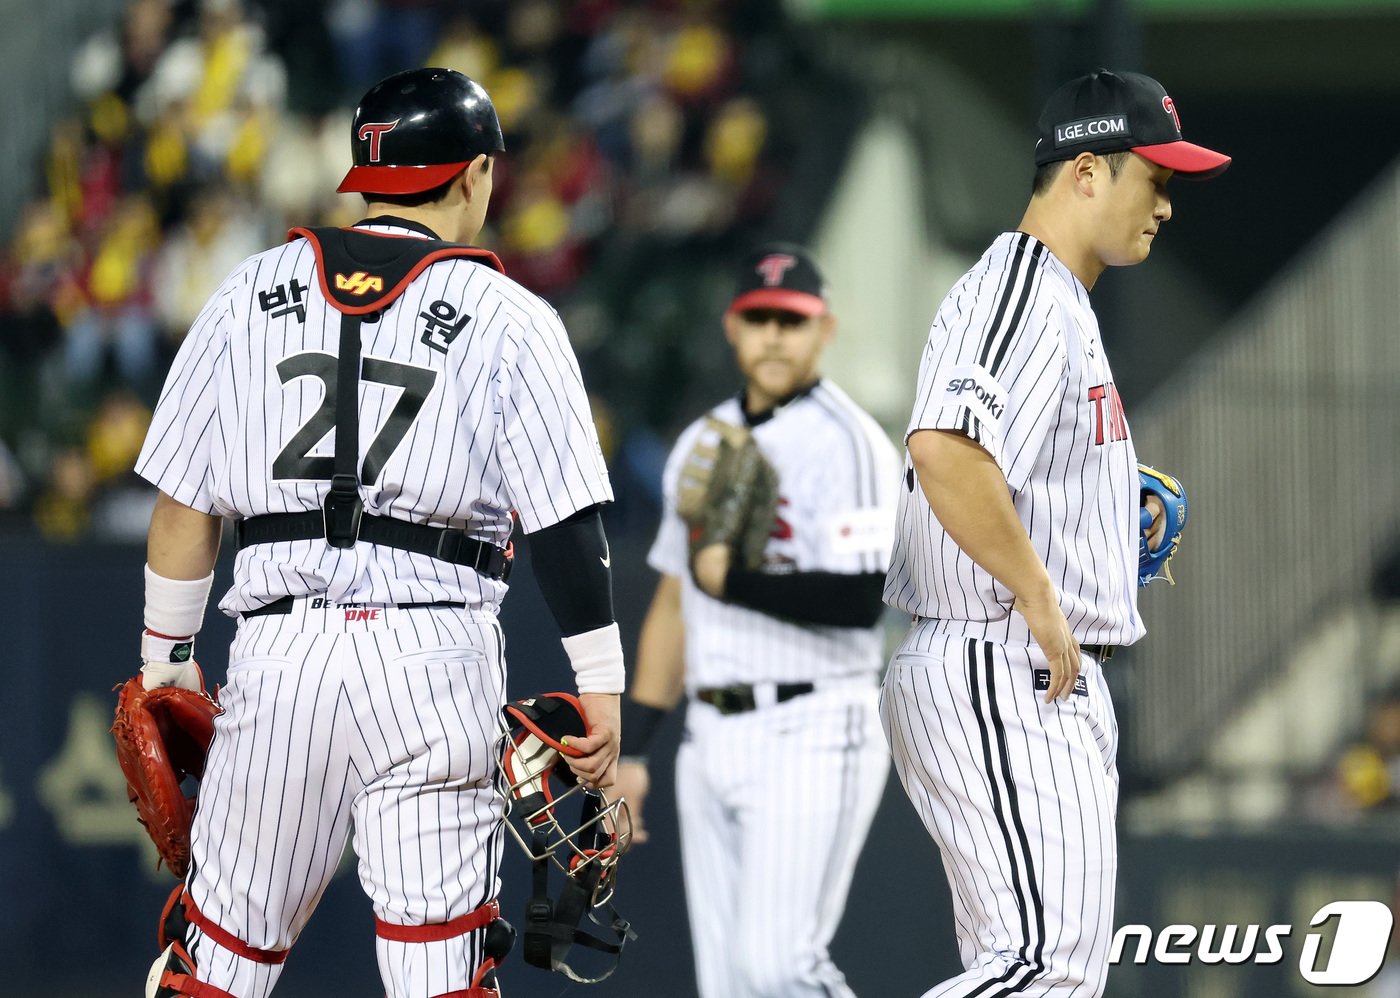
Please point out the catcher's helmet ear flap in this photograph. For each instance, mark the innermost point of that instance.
(561, 823)
(416, 130)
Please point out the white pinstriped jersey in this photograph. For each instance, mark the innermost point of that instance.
(471, 406)
(838, 475)
(1014, 360)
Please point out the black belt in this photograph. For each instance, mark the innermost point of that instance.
(444, 543)
(739, 698)
(283, 606)
(1101, 652)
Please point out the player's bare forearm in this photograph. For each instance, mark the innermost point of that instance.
(968, 493)
(183, 542)
(659, 677)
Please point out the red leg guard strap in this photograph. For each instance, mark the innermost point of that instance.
(185, 984)
(471, 921)
(188, 986)
(486, 967)
(472, 993)
(170, 903)
(227, 940)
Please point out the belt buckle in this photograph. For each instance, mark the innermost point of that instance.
(448, 545)
(730, 699)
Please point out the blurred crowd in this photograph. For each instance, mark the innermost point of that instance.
(1361, 784)
(642, 142)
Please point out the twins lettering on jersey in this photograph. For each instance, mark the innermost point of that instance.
(782, 529)
(1107, 397)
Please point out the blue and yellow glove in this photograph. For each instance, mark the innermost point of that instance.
(1153, 564)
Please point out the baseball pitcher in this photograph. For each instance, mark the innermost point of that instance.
(1025, 528)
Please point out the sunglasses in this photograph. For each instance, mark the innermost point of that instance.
(763, 316)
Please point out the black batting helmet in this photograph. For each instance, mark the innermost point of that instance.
(419, 129)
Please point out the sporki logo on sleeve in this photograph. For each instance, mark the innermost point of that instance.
(1359, 943)
(972, 385)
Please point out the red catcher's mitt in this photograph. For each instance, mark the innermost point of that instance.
(163, 736)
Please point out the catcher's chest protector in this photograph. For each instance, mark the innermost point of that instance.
(362, 272)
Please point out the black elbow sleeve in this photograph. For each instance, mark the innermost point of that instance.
(827, 598)
(573, 568)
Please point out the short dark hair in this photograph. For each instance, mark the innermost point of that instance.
(419, 198)
(1045, 175)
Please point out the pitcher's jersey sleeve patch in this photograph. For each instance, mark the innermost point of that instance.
(1007, 413)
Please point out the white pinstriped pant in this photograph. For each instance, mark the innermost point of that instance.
(387, 723)
(775, 804)
(1021, 798)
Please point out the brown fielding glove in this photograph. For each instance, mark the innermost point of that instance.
(728, 493)
(163, 736)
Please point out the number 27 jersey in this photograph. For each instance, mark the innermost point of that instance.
(471, 407)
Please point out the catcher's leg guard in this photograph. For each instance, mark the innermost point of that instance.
(174, 973)
(172, 976)
(180, 914)
(499, 938)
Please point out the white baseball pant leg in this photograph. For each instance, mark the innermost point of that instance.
(389, 722)
(775, 805)
(1021, 799)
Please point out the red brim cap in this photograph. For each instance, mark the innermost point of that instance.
(397, 179)
(1189, 160)
(779, 298)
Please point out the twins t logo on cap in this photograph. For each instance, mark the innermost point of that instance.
(373, 130)
(1169, 106)
(774, 266)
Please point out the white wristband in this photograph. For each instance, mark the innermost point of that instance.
(175, 608)
(597, 660)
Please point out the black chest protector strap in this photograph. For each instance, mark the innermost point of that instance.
(361, 274)
(343, 509)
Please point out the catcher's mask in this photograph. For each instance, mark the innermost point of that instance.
(543, 790)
